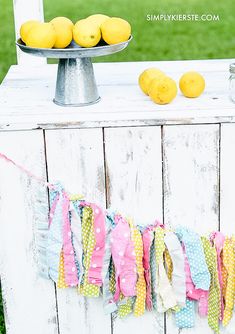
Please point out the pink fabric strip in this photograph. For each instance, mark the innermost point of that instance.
(52, 210)
(218, 239)
(195, 294)
(70, 269)
(4, 157)
(122, 249)
(147, 241)
(97, 258)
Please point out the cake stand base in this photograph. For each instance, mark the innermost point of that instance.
(75, 84)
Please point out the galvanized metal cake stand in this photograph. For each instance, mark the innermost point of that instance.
(75, 84)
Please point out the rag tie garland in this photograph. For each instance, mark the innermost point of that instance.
(138, 269)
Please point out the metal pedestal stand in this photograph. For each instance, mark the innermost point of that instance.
(75, 83)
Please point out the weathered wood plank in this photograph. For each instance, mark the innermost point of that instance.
(227, 178)
(25, 10)
(227, 184)
(75, 157)
(134, 187)
(191, 186)
(29, 300)
(26, 98)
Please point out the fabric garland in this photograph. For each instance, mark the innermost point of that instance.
(137, 268)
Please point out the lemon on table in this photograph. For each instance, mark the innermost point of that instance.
(115, 30)
(64, 32)
(147, 76)
(163, 90)
(86, 33)
(192, 84)
(42, 35)
(26, 27)
(63, 21)
(98, 18)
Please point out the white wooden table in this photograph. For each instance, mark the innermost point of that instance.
(174, 162)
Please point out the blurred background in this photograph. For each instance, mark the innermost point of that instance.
(152, 40)
(156, 40)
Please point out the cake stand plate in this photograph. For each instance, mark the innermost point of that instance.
(75, 83)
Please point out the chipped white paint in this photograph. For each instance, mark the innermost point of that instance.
(75, 157)
(191, 187)
(25, 10)
(134, 187)
(133, 160)
(29, 300)
(26, 98)
(227, 178)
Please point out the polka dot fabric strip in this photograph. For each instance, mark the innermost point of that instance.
(61, 265)
(229, 264)
(153, 287)
(185, 318)
(87, 289)
(139, 306)
(61, 281)
(214, 292)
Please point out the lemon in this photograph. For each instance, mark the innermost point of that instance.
(192, 84)
(86, 33)
(64, 32)
(63, 21)
(147, 76)
(42, 35)
(115, 30)
(162, 90)
(25, 28)
(98, 18)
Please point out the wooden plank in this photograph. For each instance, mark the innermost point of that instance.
(26, 98)
(227, 178)
(75, 157)
(25, 10)
(134, 187)
(29, 300)
(191, 186)
(227, 184)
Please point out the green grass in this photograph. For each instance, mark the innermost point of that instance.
(2, 326)
(152, 40)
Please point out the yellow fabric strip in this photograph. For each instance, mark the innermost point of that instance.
(61, 280)
(139, 306)
(88, 239)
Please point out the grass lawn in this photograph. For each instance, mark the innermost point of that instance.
(152, 40)
(2, 326)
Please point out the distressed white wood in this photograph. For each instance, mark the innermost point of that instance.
(75, 157)
(25, 10)
(191, 187)
(29, 300)
(26, 98)
(227, 178)
(134, 187)
(227, 184)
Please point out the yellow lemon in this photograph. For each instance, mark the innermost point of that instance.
(115, 30)
(98, 18)
(63, 21)
(163, 90)
(86, 33)
(64, 32)
(25, 28)
(42, 35)
(147, 76)
(192, 84)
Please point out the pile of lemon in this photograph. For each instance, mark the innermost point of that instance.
(59, 32)
(163, 89)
